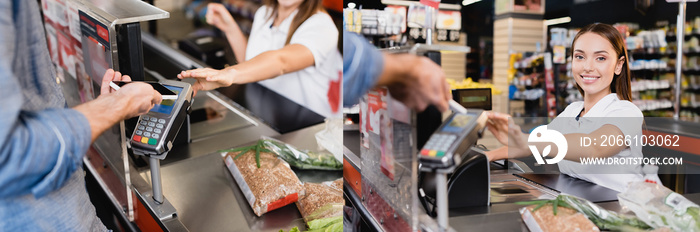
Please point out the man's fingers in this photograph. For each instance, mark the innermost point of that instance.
(117, 76)
(157, 98)
(448, 91)
(442, 106)
(420, 105)
(104, 88)
(108, 76)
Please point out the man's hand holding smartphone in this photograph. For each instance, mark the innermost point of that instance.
(165, 92)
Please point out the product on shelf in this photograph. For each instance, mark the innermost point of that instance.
(646, 105)
(469, 84)
(648, 64)
(641, 85)
(374, 22)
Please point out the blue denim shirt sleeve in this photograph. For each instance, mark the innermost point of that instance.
(39, 149)
(362, 65)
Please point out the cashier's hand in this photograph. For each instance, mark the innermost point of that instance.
(208, 78)
(508, 134)
(218, 16)
(135, 98)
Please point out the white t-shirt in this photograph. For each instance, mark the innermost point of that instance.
(316, 87)
(609, 110)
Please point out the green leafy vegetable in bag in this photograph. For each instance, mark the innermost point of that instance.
(604, 219)
(302, 159)
(257, 147)
(331, 224)
(659, 207)
(295, 229)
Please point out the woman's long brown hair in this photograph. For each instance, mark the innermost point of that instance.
(306, 10)
(621, 84)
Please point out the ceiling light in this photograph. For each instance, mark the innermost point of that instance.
(556, 21)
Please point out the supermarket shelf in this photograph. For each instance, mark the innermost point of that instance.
(639, 90)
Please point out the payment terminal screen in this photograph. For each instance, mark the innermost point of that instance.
(166, 106)
(457, 124)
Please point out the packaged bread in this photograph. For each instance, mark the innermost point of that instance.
(321, 200)
(266, 181)
(543, 219)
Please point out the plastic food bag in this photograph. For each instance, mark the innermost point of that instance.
(338, 184)
(658, 206)
(604, 219)
(321, 206)
(544, 219)
(331, 138)
(321, 200)
(302, 159)
(266, 181)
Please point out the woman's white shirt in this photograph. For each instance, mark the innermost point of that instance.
(609, 110)
(316, 87)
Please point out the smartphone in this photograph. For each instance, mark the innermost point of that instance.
(165, 92)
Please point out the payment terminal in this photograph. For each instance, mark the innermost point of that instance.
(444, 149)
(156, 130)
(456, 134)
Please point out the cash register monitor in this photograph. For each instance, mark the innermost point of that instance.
(477, 98)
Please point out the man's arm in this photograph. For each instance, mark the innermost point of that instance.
(39, 150)
(101, 114)
(362, 66)
(414, 80)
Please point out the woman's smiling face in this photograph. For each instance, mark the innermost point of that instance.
(595, 63)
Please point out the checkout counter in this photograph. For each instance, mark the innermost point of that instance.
(199, 192)
(371, 192)
(482, 195)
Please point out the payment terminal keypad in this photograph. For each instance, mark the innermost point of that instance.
(444, 149)
(149, 130)
(437, 145)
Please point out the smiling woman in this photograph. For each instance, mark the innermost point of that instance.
(594, 64)
(600, 65)
(601, 70)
